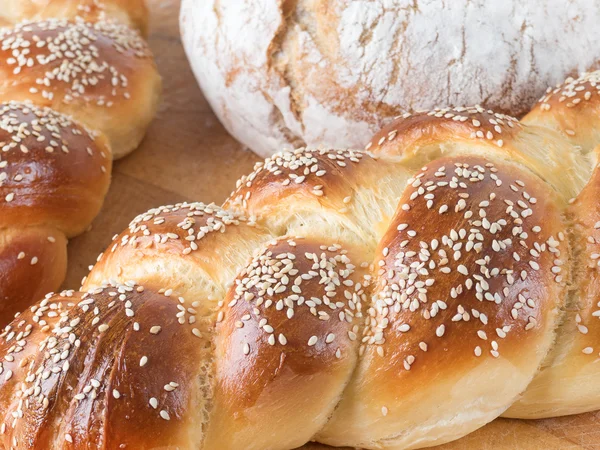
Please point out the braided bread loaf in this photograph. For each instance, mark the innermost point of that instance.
(73, 95)
(396, 298)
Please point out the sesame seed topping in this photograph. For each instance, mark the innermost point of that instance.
(72, 56)
(476, 122)
(495, 240)
(290, 277)
(296, 169)
(439, 332)
(571, 93)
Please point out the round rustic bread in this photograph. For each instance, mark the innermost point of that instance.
(294, 73)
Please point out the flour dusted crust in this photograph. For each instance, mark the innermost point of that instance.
(283, 74)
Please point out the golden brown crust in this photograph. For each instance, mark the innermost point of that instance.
(411, 131)
(53, 171)
(495, 243)
(423, 137)
(569, 384)
(470, 269)
(472, 265)
(201, 247)
(54, 174)
(252, 379)
(573, 109)
(99, 370)
(303, 173)
(131, 12)
(288, 328)
(341, 195)
(585, 216)
(28, 254)
(102, 73)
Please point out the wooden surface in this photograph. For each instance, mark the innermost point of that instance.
(188, 156)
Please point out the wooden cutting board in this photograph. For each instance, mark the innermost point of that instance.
(188, 156)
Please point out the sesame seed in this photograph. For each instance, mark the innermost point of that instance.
(439, 332)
